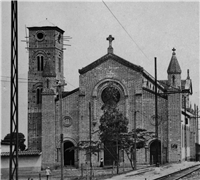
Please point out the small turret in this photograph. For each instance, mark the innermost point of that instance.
(174, 71)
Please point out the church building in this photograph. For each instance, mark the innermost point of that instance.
(135, 89)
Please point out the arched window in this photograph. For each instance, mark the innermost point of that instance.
(39, 96)
(40, 62)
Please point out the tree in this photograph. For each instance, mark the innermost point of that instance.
(85, 145)
(112, 124)
(128, 142)
(21, 140)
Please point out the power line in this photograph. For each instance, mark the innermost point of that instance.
(28, 81)
(18, 77)
(125, 29)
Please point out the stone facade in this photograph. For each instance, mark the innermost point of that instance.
(136, 89)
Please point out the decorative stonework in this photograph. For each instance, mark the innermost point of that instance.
(67, 121)
(153, 120)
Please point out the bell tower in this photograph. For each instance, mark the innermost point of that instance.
(45, 67)
(174, 110)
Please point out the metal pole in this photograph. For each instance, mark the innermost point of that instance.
(90, 134)
(135, 140)
(14, 94)
(197, 141)
(156, 113)
(185, 139)
(197, 125)
(117, 155)
(61, 131)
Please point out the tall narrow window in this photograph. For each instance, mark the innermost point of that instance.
(39, 96)
(59, 64)
(47, 83)
(40, 62)
(186, 120)
(173, 79)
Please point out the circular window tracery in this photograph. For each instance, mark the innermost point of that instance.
(67, 121)
(40, 36)
(110, 94)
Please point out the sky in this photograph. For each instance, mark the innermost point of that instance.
(142, 31)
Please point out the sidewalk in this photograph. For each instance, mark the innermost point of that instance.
(149, 173)
(154, 172)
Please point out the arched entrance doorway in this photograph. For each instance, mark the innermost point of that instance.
(155, 151)
(68, 154)
(110, 153)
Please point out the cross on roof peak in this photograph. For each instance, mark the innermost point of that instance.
(110, 39)
(174, 53)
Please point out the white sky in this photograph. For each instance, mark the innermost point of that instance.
(156, 27)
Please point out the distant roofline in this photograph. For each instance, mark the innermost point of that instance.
(46, 28)
(67, 93)
(24, 153)
(5, 143)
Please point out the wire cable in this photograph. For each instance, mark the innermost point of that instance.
(125, 30)
(25, 80)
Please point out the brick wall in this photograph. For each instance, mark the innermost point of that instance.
(34, 130)
(123, 78)
(174, 126)
(148, 114)
(48, 129)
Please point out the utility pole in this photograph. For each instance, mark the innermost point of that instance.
(117, 146)
(135, 133)
(13, 171)
(90, 134)
(135, 140)
(60, 85)
(156, 113)
(185, 128)
(197, 125)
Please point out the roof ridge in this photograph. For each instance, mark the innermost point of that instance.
(105, 58)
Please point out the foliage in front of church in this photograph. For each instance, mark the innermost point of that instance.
(21, 140)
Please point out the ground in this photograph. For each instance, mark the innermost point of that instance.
(149, 173)
(154, 173)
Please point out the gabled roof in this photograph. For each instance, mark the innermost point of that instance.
(186, 85)
(107, 57)
(45, 25)
(164, 83)
(45, 22)
(67, 93)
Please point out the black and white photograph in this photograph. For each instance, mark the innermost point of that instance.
(94, 90)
